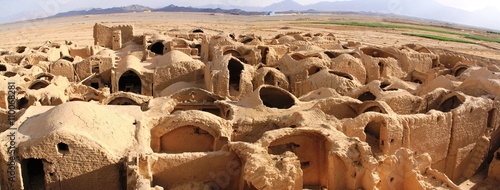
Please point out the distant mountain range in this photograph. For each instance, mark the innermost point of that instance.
(426, 9)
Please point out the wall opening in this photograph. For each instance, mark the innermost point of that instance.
(62, 148)
(3, 67)
(26, 67)
(9, 74)
(157, 48)
(198, 31)
(123, 101)
(310, 149)
(367, 96)
(373, 109)
(22, 103)
(130, 82)
(313, 70)
(21, 49)
(372, 132)
(264, 51)
(450, 103)
(381, 68)
(187, 139)
(269, 79)
(38, 85)
(235, 69)
(94, 85)
(275, 98)
(198, 46)
(33, 174)
(460, 71)
(332, 55)
(95, 69)
(68, 58)
(491, 118)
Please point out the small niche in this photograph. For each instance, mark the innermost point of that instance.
(62, 148)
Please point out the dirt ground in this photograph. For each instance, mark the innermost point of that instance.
(78, 29)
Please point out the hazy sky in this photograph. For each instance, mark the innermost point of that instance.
(29, 9)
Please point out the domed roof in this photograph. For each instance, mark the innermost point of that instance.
(112, 130)
(173, 56)
(130, 62)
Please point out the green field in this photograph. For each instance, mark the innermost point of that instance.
(441, 38)
(379, 25)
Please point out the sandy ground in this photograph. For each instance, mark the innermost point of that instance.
(78, 29)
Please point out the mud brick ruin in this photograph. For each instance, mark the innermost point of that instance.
(192, 110)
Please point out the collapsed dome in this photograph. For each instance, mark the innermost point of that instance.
(276, 98)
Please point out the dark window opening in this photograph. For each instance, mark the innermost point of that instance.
(62, 148)
(491, 117)
(3, 68)
(435, 63)
(384, 85)
(264, 53)
(21, 49)
(33, 174)
(235, 69)
(157, 48)
(38, 85)
(247, 40)
(269, 79)
(68, 58)
(417, 81)
(28, 66)
(374, 109)
(198, 46)
(460, 71)
(95, 69)
(313, 70)
(449, 104)
(22, 103)
(332, 55)
(198, 31)
(9, 74)
(94, 85)
(275, 98)
(380, 68)
(130, 82)
(367, 96)
(372, 132)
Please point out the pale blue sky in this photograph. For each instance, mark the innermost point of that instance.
(12, 10)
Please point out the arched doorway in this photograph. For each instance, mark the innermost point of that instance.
(235, 69)
(157, 48)
(130, 82)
